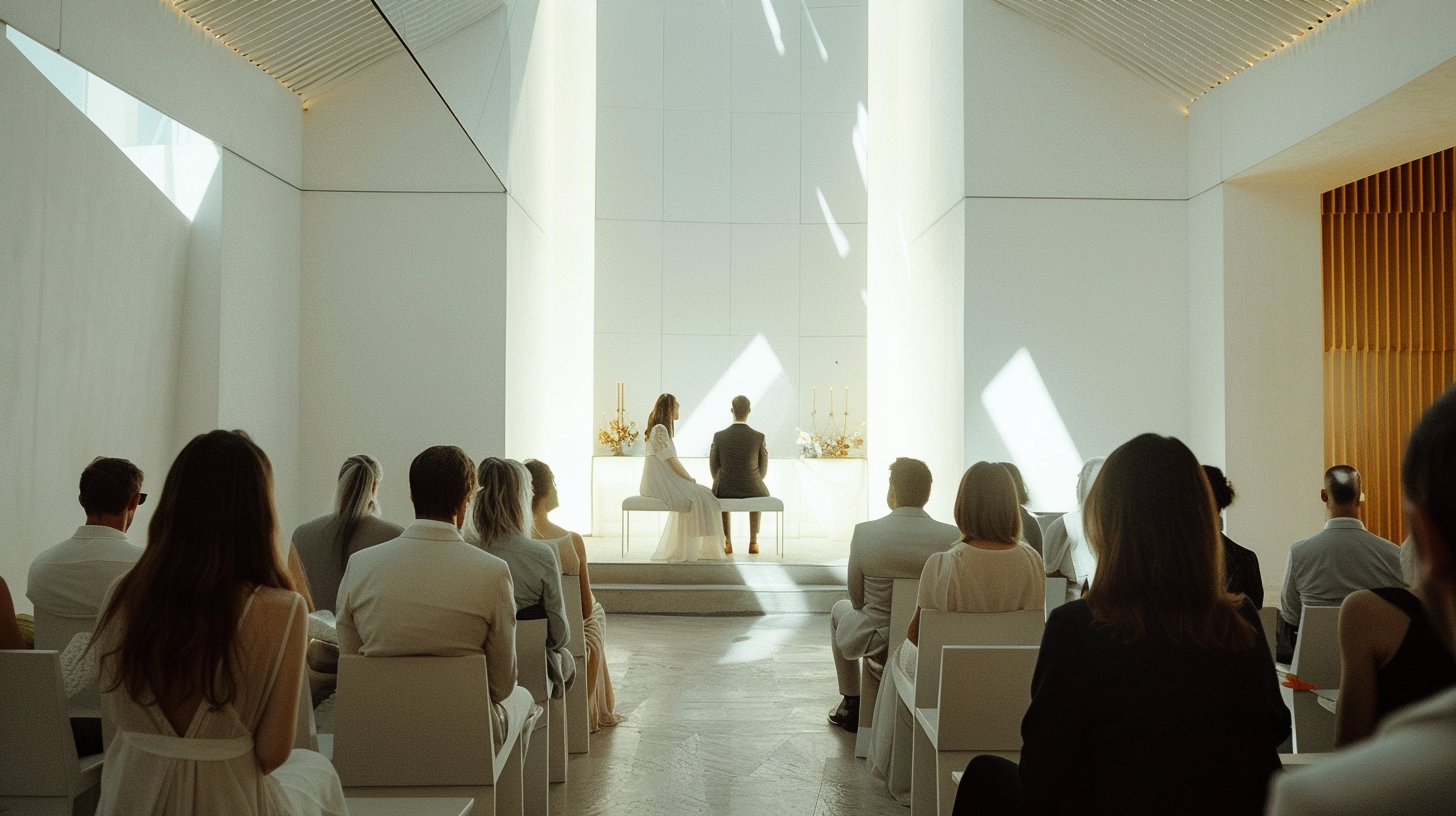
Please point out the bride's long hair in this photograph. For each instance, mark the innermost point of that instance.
(662, 412)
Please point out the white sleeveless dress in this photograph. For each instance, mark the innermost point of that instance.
(150, 769)
(601, 702)
(694, 529)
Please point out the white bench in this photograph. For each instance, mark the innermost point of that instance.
(762, 504)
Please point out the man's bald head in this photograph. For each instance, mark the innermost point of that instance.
(1342, 487)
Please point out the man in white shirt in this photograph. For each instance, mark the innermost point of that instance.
(68, 581)
(895, 546)
(1342, 558)
(1406, 767)
(428, 592)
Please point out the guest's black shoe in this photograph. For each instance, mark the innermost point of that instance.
(846, 715)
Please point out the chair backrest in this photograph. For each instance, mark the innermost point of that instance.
(903, 596)
(571, 594)
(55, 632)
(531, 658)
(984, 693)
(413, 721)
(1056, 594)
(941, 629)
(37, 752)
(1269, 619)
(1317, 653)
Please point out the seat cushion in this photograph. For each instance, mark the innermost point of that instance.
(769, 504)
(644, 503)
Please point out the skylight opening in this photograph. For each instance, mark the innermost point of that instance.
(178, 160)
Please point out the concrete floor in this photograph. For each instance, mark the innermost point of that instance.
(724, 716)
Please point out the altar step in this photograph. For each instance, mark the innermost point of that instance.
(717, 588)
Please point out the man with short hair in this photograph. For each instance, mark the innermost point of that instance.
(895, 546)
(68, 581)
(428, 592)
(1406, 767)
(1342, 558)
(738, 461)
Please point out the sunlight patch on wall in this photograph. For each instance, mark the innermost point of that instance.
(1022, 410)
(751, 375)
(177, 159)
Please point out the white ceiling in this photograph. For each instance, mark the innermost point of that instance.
(313, 45)
(1185, 46)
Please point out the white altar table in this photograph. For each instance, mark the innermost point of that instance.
(823, 498)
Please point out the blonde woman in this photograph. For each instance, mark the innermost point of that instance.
(695, 526)
(600, 702)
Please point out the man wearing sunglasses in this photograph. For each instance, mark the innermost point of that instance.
(68, 580)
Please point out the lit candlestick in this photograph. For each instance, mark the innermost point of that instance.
(831, 403)
(846, 408)
(814, 402)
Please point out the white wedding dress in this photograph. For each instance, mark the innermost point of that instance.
(694, 529)
(150, 769)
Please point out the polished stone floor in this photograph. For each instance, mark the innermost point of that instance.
(725, 716)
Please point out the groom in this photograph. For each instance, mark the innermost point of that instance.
(738, 461)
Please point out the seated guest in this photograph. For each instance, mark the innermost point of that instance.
(10, 637)
(571, 550)
(1390, 656)
(1340, 559)
(1065, 550)
(738, 461)
(502, 516)
(325, 544)
(1240, 565)
(428, 592)
(1405, 768)
(991, 569)
(895, 546)
(1030, 527)
(67, 581)
(201, 651)
(1155, 692)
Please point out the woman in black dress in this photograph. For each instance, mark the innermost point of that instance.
(1154, 693)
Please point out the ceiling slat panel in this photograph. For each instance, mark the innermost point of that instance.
(312, 45)
(1188, 46)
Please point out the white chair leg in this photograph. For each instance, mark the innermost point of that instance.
(578, 728)
(923, 766)
(509, 788)
(557, 726)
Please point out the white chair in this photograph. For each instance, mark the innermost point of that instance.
(531, 675)
(984, 693)
(39, 772)
(1317, 662)
(578, 723)
(55, 632)
(1269, 619)
(938, 630)
(1056, 594)
(422, 726)
(903, 596)
(638, 504)
(761, 504)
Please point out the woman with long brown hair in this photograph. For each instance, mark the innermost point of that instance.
(694, 530)
(201, 649)
(1154, 693)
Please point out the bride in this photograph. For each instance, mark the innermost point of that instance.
(694, 528)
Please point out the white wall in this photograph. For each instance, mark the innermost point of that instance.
(153, 53)
(712, 150)
(402, 334)
(917, 242)
(91, 299)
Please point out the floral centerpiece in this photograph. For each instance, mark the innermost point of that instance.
(619, 433)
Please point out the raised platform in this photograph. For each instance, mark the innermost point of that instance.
(729, 588)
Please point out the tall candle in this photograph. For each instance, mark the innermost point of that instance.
(846, 402)
(831, 402)
(814, 401)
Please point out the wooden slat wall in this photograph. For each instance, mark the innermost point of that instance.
(1389, 320)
